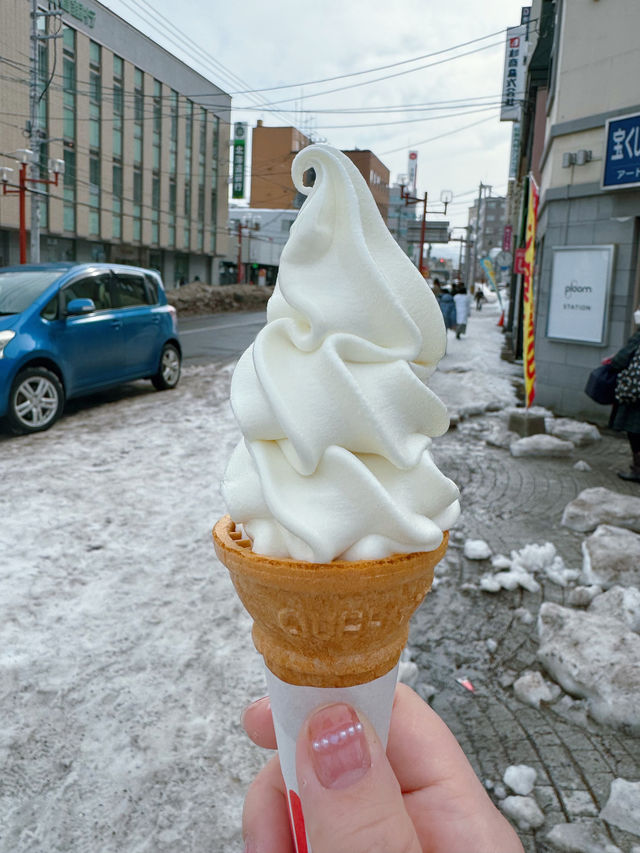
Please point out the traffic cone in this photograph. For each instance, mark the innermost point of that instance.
(501, 320)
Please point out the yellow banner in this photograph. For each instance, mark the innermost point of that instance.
(529, 353)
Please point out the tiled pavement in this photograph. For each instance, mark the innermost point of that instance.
(511, 502)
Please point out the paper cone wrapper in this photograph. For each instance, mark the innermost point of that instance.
(291, 705)
(326, 630)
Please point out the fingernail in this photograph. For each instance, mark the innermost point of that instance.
(251, 705)
(338, 746)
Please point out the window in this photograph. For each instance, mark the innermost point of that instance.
(96, 287)
(130, 290)
(213, 201)
(69, 84)
(94, 194)
(69, 191)
(43, 112)
(50, 310)
(117, 201)
(172, 211)
(138, 115)
(155, 208)
(137, 204)
(188, 145)
(152, 288)
(118, 105)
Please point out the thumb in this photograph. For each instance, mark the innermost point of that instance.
(351, 799)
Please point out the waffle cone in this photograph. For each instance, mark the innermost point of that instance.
(327, 624)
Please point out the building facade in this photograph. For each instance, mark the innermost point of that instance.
(485, 229)
(272, 152)
(375, 174)
(144, 140)
(582, 89)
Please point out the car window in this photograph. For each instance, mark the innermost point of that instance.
(130, 290)
(50, 310)
(94, 287)
(152, 287)
(18, 289)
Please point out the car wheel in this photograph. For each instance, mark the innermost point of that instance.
(169, 373)
(36, 400)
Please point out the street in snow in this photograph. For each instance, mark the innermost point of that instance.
(126, 658)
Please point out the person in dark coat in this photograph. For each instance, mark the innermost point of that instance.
(448, 308)
(626, 416)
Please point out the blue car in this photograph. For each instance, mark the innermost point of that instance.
(71, 329)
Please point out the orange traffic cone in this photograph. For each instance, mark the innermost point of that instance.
(501, 320)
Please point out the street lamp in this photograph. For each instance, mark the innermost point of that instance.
(24, 157)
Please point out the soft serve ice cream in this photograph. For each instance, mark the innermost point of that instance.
(331, 398)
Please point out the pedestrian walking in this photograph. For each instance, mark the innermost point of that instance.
(437, 289)
(625, 415)
(480, 298)
(448, 308)
(462, 301)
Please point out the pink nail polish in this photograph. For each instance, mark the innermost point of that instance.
(338, 746)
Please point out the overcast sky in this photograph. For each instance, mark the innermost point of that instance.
(257, 45)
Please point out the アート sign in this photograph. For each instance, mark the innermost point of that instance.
(622, 153)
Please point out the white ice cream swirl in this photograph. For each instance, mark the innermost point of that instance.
(335, 416)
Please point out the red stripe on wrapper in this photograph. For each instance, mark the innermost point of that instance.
(297, 823)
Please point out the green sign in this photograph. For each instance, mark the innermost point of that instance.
(239, 140)
(76, 9)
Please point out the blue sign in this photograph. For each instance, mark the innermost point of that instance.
(622, 155)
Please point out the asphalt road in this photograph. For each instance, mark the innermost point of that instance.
(218, 337)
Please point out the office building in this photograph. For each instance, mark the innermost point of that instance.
(144, 140)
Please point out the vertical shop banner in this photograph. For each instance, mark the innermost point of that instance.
(239, 142)
(529, 354)
(412, 170)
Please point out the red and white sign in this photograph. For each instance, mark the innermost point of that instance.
(518, 266)
(412, 170)
(514, 77)
(507, 236)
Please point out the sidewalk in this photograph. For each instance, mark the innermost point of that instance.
(492, 640)
(126, 658)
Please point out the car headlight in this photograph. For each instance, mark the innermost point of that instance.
(5, 338)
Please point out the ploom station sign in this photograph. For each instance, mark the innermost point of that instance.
(580, 283)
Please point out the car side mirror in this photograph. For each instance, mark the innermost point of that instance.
(80, 306)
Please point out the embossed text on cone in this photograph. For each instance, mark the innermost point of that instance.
(332, 624)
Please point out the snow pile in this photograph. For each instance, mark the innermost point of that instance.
(541, 445)
(581, 465)
(532, 689)
(595, 654)
(519, 569)
(476, 549)
(520, 778)
(523, 811)
(611, 555)
(602, 506)
(577, 432)
(582, 836)
(621, 809)
(582, 596)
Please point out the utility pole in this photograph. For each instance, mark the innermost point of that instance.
(34, 134)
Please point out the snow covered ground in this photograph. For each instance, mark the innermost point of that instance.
(125, 656)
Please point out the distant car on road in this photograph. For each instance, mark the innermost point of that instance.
(71, 329)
